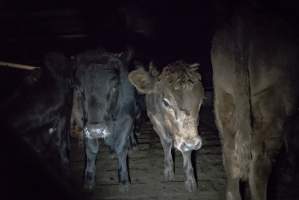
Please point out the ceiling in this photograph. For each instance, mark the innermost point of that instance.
(166, 29)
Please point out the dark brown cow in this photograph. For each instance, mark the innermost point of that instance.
(173, 100)
(255, 75)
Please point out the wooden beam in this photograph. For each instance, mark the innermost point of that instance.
(18, 66)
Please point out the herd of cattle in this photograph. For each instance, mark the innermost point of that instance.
(255, 76)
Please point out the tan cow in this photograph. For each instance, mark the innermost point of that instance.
(173, 99)
(255, 75)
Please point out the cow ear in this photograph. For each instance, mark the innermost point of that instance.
(153, 70)
(128, 55)
(142, 80)
(194, 67)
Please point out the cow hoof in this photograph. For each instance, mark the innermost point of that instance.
(138, 133)
(89, 181)
(132, 150)
(168, 175)
(88, 187)
(124, 187)
(112, 156)
(191, 185)
(135, 147)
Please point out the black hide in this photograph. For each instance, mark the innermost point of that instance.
(109, 108)
(39, 113)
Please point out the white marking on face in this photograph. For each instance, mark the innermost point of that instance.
(96, 133)
(51, 131)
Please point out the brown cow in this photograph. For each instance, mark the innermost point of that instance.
(173, 100)
(255, 75)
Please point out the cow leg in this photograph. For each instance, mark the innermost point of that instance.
(269, 122)
(190, 183)
(167, 148)
(168, 160)
(133, 134)
(232, 182)
(224, 114)
(91, 151)
(258, 177)
(125, 128)
(62, 145)
(267, 145)
(123, 174)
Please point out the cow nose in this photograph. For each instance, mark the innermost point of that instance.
(96, 130)
(194, 145)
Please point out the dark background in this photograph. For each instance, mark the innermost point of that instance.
(162, 31)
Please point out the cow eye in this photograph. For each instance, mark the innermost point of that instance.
(166, 103)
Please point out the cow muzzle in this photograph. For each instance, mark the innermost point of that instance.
(96, 131)
(189, 145)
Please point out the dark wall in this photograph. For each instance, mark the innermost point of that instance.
(160, 30)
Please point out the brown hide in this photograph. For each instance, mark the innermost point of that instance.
(255, 69)
(173, 100)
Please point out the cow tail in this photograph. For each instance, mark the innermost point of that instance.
(243, 122)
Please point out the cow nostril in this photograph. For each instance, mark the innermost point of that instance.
(189, 145)
(186, 146)
(198, 144)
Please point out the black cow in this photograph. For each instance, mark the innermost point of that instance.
(109, 109)
(38, 113)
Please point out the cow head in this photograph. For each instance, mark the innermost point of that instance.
(177, 94)
(98, 78)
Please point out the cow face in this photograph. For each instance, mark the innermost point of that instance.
(180, 110)
(99, 88)
(174, 98)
